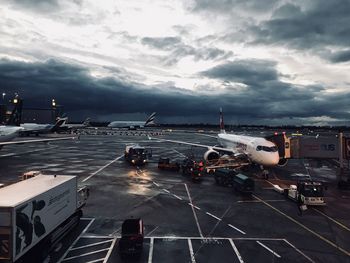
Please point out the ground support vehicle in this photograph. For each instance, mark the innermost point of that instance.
(36, 213)
(192, 169)
(165, 164)
(136, 155)
(131, 242)
(312, 193)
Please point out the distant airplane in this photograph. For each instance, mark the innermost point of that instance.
(255, 149)
(68, 126)
(10, 131)
(132, 125)
(36, 129)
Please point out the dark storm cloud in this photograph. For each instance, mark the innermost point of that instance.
(341, 56)
(244, 71)
(266, 97)
(226, 6)
(315, 25)
(36, 5)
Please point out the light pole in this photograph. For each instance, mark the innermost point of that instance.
(3, 96)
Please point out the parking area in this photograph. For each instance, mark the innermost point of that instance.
(184, 221)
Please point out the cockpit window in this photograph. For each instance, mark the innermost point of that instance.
(266, 148)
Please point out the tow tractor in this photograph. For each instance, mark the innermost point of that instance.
(136, 155)
(311, 192)
(193, 169)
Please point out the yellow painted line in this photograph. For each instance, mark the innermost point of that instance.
(335, 221)
(305, 227)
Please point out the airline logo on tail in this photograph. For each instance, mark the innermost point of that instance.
(222, 126)
(150, 119)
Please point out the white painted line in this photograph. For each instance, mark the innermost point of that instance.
(333, 220)
(235, 228)
(193, 260)
(152, 231)
(236, 251)
(218, 238)
(86, 254)
(90, 236)
(267, 248)
(110, 250)
(75, 241)
(179, 153)
(178, 197)
(257, 201)
(99, 170)
(299, 251)
(209, 214)
(150, 254)
(194, 212)
(165, 190)
(155, 184)
(91, 245)
(96, 260)
(194, 206)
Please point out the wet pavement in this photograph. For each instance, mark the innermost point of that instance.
(185, 221)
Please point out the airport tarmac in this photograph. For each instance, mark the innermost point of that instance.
(185, 221)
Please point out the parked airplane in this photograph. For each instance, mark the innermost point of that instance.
(132, 125)
(36, 129)
(257, 150)
(68, 126)
(10, 131)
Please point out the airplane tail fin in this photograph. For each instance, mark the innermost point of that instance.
(150, 119)
(60, 121)
(222, 125)
(16, 115)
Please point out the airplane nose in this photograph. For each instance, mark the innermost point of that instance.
(272, 160)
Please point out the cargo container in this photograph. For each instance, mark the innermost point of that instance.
(35, 212)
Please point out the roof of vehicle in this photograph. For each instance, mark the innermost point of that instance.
(15, 194)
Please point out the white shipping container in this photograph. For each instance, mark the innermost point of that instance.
(34, 208)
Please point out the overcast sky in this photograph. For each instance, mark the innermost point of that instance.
(264, 62)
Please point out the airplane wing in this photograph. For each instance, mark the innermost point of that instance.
(195, 145)
(38, 140)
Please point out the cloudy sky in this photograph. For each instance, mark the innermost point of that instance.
(264, 62)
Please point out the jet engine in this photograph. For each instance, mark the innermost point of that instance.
(211, 155)
(282, 162)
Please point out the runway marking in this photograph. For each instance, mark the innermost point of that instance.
(194, 212)
(257, 201)
(198, 208)
(76, 240)
(179, 153)
(193, 260)
(110, 250)
(155, 184)
(99, 170)
(152, 231)
(269, 249)
(306, 228)
(178, 197)
(86, 254)
(298, 250)
(209, 214)
(90, 236)
(94, 261)
(91, 245)
(236, 251)
(150, 254)
(235, 228)
(335, 221)
(167, 191)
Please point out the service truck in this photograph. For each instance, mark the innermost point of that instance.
(136, 155)
(36, 213)
(311, 192)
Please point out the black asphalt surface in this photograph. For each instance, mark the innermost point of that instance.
(185, 221)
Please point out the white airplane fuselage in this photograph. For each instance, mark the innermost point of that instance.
(8, 133)
(258, 150)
